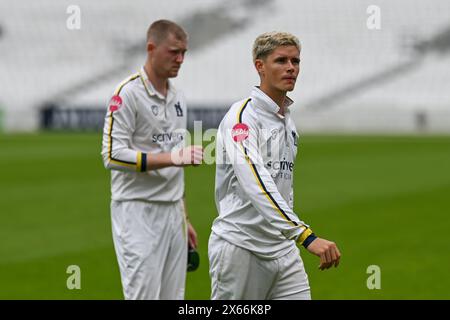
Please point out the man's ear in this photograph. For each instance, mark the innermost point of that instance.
(150, 47)
(259, 65)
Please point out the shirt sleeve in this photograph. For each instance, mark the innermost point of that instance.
(243, 153)
(120, 122)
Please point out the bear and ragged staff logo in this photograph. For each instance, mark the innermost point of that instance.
(294, 136)
(178, 109)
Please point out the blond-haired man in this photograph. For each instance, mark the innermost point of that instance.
(143, 145)
(252, 248)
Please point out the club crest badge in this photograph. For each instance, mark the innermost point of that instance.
(239, 132)
(155, 110)
(274, 134)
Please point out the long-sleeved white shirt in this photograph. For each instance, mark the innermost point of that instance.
(256, 150)
(140, 122)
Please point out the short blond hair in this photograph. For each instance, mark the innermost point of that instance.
(267, 42)
(160, 30)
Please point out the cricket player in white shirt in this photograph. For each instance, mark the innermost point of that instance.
(252, 249)
(143, 145)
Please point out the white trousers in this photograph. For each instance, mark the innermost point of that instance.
(238, 274)
(150, 240)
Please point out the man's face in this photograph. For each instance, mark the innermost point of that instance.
(279, 70)
(167, 56)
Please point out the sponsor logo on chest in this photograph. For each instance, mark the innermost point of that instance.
(167, 137)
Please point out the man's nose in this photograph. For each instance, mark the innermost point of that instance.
(291, 66)
(180, 58)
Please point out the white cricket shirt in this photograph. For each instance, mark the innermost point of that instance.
(140, 122)
(256, 150)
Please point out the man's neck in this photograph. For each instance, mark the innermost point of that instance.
(160, 84)
(276, 95)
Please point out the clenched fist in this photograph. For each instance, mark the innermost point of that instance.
(191, 155)
(327, 251)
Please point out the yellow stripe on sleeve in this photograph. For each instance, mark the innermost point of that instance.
(139, 162)
(239, 115)
(111, 159)
(305, 234)
(274, 206)
(123, 83)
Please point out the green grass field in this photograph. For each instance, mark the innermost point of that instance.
(384, 200)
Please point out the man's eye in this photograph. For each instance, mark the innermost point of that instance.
(177, 52)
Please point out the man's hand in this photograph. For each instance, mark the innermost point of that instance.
(327, 251)
(192, 236)
(191, 155)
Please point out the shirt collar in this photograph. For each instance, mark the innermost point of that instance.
(151, 89)
(266, 102)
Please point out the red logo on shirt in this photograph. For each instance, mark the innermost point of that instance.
(239, 132)
(115, 103)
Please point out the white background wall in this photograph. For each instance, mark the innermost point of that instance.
(40, 57)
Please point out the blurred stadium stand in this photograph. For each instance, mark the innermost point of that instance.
(353, 79)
